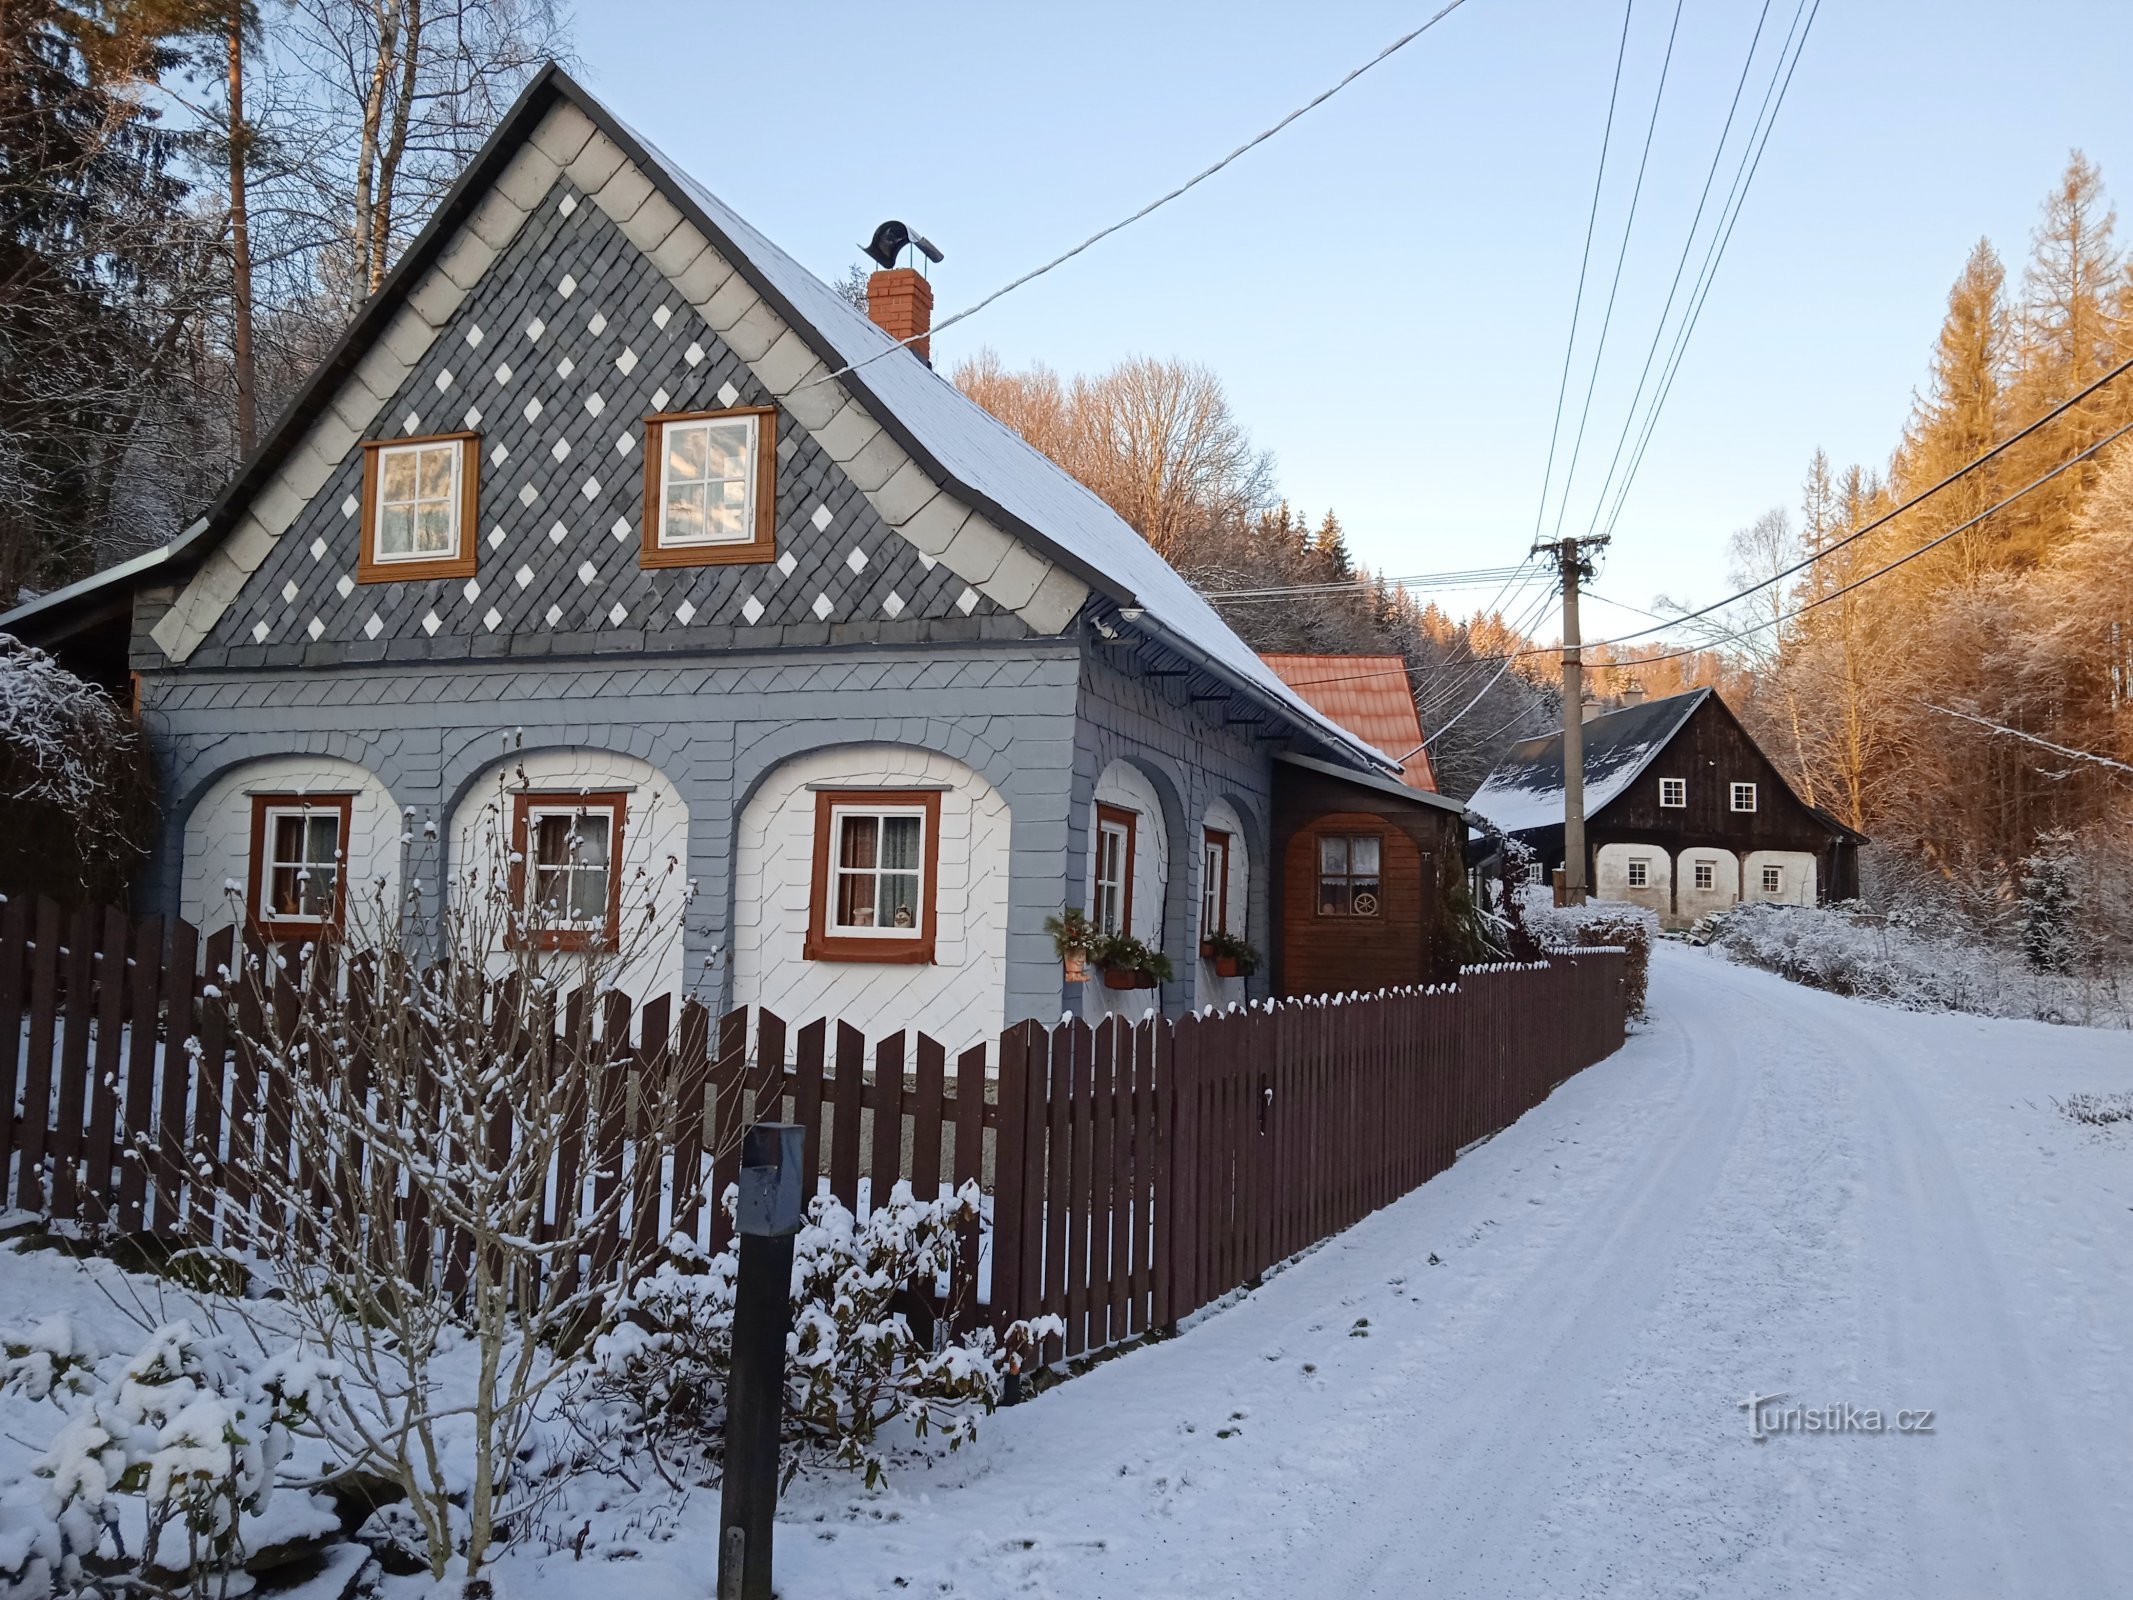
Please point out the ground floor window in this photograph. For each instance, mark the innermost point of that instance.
(299, 880)
(567, 852)
(1706, 874)
(1214, 883)
(877, 855)
(1348, 874)
(1115, 829)
(1640, 872)
(1773, 880)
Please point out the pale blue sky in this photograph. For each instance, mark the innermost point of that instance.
(1385, 288)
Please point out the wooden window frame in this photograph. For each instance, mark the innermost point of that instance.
(370, 568)
(1754, 798)
(1679, 786)
(1215, 841)
(524, 934)
(1700, 870)
(1771, 870)
(823, 942)
(1318, 875)
(264, 806)
(1129, 823)
(1637, 872)
(653, 551)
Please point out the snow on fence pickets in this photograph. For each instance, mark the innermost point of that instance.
(1135, 1171)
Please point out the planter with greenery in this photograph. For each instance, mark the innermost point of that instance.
(1127, 963)
(1072, 935)
(1233, 958)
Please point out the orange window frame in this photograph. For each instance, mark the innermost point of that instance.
(823, 942)
(460, 564)
(1215, 843)
(1129, 823)
(763, 546)
(263, 808)
(529, 935)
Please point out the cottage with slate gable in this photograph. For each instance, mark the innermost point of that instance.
(606, 511)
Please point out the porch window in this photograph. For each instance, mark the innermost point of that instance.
(877, 854)
(1640, 873)
(1115, 828)
(567, 868)
(1706, 874)
(418, 508)
(1673, 793)
(1214, 883)
(299, 861)
(1744, 797)
(1348, 883)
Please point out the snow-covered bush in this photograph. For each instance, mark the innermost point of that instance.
(75, 779)
(1598, 924)
(1878, 957)
(163, 1466)
(854, 1365)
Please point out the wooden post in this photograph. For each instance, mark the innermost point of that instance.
(766, 1217)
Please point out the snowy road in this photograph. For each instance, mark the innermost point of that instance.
(1525, 1379)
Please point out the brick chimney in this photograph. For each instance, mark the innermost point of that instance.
(901, 304)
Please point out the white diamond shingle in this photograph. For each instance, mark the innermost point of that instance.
(594, 404)
(822, 607)
(344, 586)
(259, 632)
(491, 618)
(893, 604)
(627, 361)
(587, 572)
(535, 329)
(752, 609)
(431, 622)
(685, 613)
(821, 518)
(532, 409)
(524, 575)
(314, 627)
(474, 335)
(560, 449)
(289, 592)
(374, 627)
(566, 286)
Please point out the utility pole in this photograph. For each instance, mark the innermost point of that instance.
(1574, 562)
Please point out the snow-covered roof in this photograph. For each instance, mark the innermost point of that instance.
(979, 452)
(1525, 790)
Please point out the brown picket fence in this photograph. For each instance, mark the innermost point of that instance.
(1133, 1171)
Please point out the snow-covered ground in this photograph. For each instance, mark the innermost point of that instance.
(1526, 1378)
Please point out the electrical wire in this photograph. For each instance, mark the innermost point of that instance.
(1629, 225)
(1714, 259)
(1577, 303)
(1157, 204)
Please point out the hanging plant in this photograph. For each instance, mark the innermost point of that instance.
(1072, 935)
(1233, 958)
(1127, 963)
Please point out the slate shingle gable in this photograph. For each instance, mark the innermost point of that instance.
(519, 363)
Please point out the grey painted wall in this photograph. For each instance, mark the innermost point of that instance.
(715, 727)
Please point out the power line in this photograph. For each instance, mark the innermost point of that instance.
(1629, 225)
(1688, 242)
(1157, 204)
(1708, 275)
(1577, 303)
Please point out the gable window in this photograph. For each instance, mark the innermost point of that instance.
(1348, 883)
(566, 871)
(1744, 797)
(710, 487)
(1115, 828)
(1640, 872)
(1673, 793)
(1214, 882)
(1773, 880)
(1706, 874)
(418, 508)
(299, 883)
(877, 854)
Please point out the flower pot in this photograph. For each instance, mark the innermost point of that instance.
(1228, 967)
(1076, 966)
(1121, 978)
(1207, 950)
(1144, 980)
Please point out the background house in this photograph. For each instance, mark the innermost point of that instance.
(1684, 813)
(611, 539)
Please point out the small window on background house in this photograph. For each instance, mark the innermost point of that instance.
(1706, 875)
(1348, 877)
(418, 508)
(1673, 792)
(1773, 880)
(1214, 882)
(1640, 872)
(569, 849)
(877, 854)
(1115, 829)
(1744, 797)
(710, 488)
(299, 854)
(1536, 872)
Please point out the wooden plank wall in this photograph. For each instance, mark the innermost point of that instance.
(1132, 1173)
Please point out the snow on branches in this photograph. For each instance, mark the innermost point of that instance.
(74, 771)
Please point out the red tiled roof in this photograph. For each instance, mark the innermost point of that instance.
(1367, 695)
